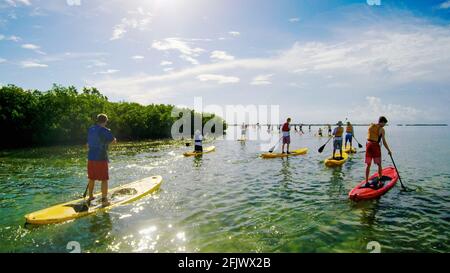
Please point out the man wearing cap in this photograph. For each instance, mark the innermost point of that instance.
(338, 132)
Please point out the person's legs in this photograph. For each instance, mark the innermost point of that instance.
(334, 148)
(282, 147)
(91, 186)
(367, 172)
(288, 142)
(105, 192)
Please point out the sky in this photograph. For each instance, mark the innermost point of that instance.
(318, 61)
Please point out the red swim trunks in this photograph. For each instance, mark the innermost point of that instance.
(97, 170)
(373, 152)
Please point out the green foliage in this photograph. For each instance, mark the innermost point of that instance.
(62, 115)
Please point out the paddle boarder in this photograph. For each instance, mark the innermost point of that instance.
(348, 134)
(99, 137)
(376, 134)
(338, 132)
(198, 141)
(286, 131)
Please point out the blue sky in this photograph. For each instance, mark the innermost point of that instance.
(320, 61)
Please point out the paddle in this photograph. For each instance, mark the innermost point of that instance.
(323, 146)
(359, 144)
(395, 166)
(85, 192)
(273, 148)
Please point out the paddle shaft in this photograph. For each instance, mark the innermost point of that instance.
(360, 146)
(273, 148)
(323, 146)
(85, 192)
(399, 178)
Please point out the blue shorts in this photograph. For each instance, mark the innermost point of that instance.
(337, 144)
(348, 137)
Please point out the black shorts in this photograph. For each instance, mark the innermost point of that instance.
(198, 148)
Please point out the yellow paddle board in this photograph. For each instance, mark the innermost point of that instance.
(330, 162)
(301, 151)
(79, 208)
(205, 151)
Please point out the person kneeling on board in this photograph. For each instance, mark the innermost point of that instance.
(99, 137)
(286, 135)
(375, 135)
(337, 141)
(198, 141)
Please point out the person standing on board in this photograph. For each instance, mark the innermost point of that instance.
(309, 128)
(243, 131)
(375, 135)
(337, 141)
(198, 141)
(286, 129)
(99, 137)
(320, 132)
(329, 130)
(349, 134)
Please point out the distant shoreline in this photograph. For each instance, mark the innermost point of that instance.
(324, 125)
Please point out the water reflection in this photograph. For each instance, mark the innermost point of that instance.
(369, 209)
(198, 159)
(335, 186)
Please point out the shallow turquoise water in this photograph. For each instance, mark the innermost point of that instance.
(233, 201)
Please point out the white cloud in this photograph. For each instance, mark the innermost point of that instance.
(33, 47)
(10, 38)
(140, 20)
(189, 59)
(13, 38)
(445, 5)
(107, 72)
(2, 60)
(262, 80)
(221, 55)
(294, 19)
(73, 2)
(33, 64)
(96, 63)
(234, 33)
(374, 107)
(168, 69)
(220, 79)
(177, 44)
(138, 57)
(165, 63)
(16, 3)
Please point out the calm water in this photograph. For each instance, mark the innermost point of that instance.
(233, 201)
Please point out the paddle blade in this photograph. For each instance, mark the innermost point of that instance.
(322, 147)
(360, 146)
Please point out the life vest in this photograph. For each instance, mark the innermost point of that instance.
(374, 133)
(349, 129)
(339, 131)
(285, 127)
